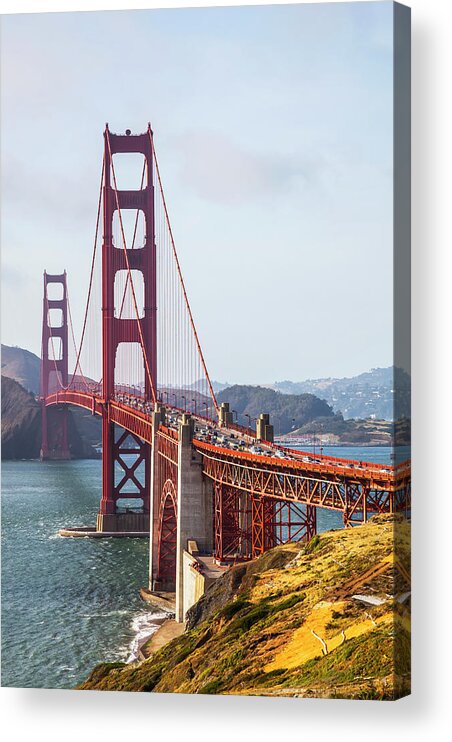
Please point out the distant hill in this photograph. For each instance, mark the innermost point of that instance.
(24, 367)
(21, 426)
(287, 411)
(370, 394)
(21, 365)
(307, 416)
(339, 407)
(218, 386)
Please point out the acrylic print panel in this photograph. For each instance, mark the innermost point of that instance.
(206, 363)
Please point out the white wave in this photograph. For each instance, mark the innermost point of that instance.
(145, 625)
(104, 614)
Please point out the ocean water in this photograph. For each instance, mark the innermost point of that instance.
(68, 604)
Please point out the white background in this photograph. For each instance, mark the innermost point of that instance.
(51, 715)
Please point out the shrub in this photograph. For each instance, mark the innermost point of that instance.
(313, 544)
(211, 688)
(232, 608)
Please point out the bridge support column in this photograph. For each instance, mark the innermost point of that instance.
(355, 512)
(194, 506)
(311, 522)
(225, 416)
(232, 524)
(158, 416)
(264, 431)
(263, 525)
(126, 486)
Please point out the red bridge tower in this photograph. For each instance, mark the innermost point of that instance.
(119, 479)
(54, 368)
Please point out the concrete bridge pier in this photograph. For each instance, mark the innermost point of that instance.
(158, 418)
(193, 514)
(194, 507)
(264, 431)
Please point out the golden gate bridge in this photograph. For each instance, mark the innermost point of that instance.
(174, 463)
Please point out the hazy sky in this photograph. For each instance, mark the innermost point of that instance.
(273, 127)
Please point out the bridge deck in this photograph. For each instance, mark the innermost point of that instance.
(276, 472)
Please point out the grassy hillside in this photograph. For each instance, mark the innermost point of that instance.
(329, 619)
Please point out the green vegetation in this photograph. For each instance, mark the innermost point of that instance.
(263, 627)
(288, 411)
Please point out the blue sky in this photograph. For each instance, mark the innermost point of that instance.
(273, 127)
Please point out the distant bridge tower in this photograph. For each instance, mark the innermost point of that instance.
(119, 480)
(54, 367)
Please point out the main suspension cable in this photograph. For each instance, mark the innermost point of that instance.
(93, 261)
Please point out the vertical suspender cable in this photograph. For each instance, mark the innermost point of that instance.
(180, 275)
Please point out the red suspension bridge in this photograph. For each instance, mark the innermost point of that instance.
(174, 464)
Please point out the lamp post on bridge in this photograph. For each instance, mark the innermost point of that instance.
(194, 400)
(185, 401)
(249, 421)
(207, 409)
(173, 394)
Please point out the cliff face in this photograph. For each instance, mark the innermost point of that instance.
(21, 426)
(21, 422)
(329, 619)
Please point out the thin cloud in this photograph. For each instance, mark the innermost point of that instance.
(58, 197)
(218, 170)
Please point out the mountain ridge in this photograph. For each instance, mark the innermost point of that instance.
(370, 394)
(23, 366)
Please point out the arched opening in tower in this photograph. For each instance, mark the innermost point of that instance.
(167, 544)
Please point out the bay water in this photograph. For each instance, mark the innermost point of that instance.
(68, 604)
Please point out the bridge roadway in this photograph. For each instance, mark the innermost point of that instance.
(234, 458)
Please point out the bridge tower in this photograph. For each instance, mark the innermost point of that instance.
(54, 367)
(119, 480)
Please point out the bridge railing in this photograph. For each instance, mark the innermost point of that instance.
(144, 407)
(372, 472)
(338, 460)
(244, 430)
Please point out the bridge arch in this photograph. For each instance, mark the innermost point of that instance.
(167, 537)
